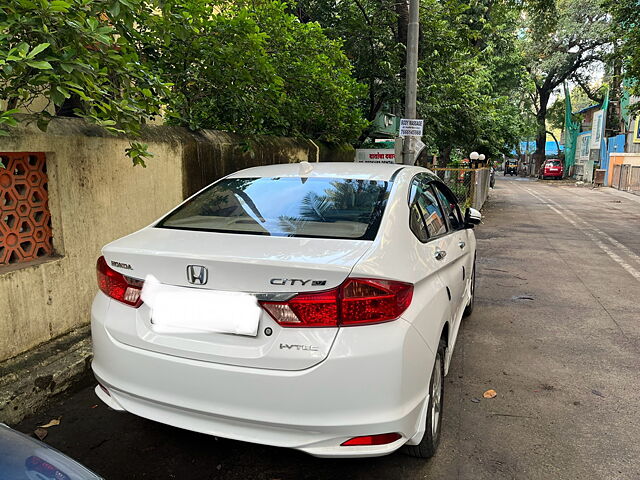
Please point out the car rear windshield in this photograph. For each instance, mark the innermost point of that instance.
(286, 206)
(554, 163)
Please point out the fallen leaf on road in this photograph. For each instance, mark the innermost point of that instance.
(475, 400)
(40, 433)
(52, 423)
(489, 394)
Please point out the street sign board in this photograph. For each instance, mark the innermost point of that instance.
(411, 127)
(375, 155)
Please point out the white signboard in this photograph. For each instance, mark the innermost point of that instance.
(375, 155)
(411, 127)
(582, 150)
(596, 129)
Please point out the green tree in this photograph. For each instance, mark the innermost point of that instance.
(579, 100)
(251, 68)
(626, 24)
(77, 55)
(374, 34)
(561, 40)
(470, 68)
(471, 77)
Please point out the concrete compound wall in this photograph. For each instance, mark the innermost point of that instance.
(96, 196)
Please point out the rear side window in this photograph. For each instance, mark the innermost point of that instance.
(416, 223)
(451, 210)
(422, 201)
(286, 206)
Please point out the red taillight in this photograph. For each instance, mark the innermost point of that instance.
(358, 301)
(117, 286)
(381, 439)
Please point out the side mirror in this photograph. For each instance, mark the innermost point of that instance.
(472, 217)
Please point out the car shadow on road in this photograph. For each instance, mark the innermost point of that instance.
(122, 446)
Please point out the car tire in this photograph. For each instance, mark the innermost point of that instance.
(431, 439)
(468, 310)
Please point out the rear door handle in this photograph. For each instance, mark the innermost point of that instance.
(462, 244)
(439, 254)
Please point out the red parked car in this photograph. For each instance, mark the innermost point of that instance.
(551, 169)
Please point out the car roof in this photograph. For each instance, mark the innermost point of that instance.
(355, 170)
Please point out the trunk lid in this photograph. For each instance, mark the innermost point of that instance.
(256, 264)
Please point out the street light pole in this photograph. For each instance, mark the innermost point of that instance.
(411, 92)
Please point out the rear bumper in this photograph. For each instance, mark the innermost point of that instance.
(374, 381)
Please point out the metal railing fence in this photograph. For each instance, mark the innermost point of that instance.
(470, 185)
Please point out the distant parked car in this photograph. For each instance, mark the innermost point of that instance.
(511, 167)
(25, 458)
(551, 168)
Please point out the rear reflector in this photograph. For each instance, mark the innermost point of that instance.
(117, 286)
(104, 389)
(358, 301)
(381, 439)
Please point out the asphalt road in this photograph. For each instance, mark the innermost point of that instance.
(556, 332)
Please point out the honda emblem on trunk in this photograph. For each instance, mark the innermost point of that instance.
(197, 274)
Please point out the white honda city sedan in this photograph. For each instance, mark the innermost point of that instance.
(312, 306)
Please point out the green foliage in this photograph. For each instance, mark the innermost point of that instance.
(470, 69)
(470, 76)
(561, 40)
(374, 39)
(251, 68)
(556, 113)
(626, 24)
(64, 50)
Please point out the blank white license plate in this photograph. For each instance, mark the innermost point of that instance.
(183, 310)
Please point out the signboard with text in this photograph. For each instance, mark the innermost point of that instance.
(375, 155)
(411, 127)
(596, 129)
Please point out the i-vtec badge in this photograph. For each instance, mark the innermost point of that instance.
(297, 281)
(306, 348)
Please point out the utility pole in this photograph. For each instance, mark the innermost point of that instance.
(409, 147)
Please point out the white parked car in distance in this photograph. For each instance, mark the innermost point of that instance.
(309, 306)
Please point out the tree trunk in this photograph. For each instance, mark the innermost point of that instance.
(541, 135)
(445, 157)
(402, 10)
(557, 143)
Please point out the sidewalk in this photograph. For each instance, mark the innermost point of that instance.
(30, 380)
(628, 195)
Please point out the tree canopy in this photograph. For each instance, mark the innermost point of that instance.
(561, 40)
(248, 68)
(322, 69)
(626, 22)
(76, 56)
(470, 71)
(251, 68)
